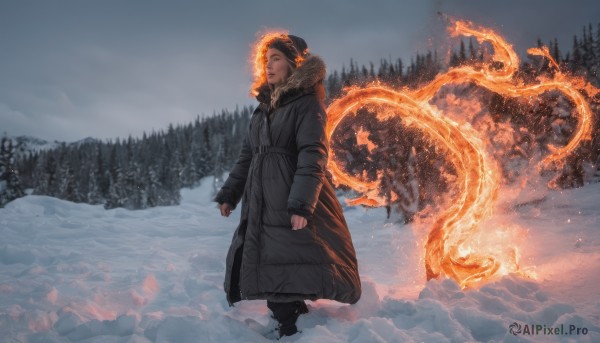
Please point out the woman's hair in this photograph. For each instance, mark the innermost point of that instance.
(293, 47)
(288, 49)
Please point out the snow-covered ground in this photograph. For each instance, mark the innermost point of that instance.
(79, 273)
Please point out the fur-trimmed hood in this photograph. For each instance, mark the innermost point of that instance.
(281, 171)
(306, 78)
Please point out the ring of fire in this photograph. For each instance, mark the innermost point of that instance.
(477, 175)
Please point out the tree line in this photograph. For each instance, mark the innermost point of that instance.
(520, 130)
(137, 173)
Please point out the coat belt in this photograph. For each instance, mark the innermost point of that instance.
(265, 149)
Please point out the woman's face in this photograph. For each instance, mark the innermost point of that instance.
(277, 67)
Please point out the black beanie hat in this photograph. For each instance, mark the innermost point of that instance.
(292, 47)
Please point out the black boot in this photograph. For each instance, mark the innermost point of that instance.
(287, 314)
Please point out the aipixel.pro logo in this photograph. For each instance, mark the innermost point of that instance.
(542, 329)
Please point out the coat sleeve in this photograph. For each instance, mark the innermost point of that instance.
(311, 143)
(233, 188)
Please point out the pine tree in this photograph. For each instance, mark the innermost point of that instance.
(556, 51)
(400, 71)
(382, 71)
(67, 188)
(591, 48)
(539, 43)
(597, 49)
(93, 192)
(101, 174)
(408, 191)
(114, 199)
(454, 60)
(218, 169)
(576, 61)
(462, 55)
(153, 194)
(49, 185)
(134, 192)
(115, 176)
(472, 53)
(585, 48)
(10, 185)
(593, 63)
(135, 188)
(334, 85)
(364, 73)
(169, 176)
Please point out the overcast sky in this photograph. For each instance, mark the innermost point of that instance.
(107, 69)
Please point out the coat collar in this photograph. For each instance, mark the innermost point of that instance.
(306, 77)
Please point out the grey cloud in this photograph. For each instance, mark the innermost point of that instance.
(112, 68)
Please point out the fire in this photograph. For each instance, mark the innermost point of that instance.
(362, 138)
(451, 248)
(258, 57)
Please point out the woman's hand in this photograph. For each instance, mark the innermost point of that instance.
(298, 222)
(225, 209)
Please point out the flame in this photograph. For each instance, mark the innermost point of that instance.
(362, 138)
(451, 248)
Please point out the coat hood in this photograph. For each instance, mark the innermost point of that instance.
(305, 78)
(308, 77)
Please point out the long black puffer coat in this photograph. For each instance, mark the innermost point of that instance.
(280, 172)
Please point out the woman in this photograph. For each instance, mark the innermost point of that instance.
(292, 242)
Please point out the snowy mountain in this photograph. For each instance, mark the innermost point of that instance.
(24, 145)
(79, 273)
